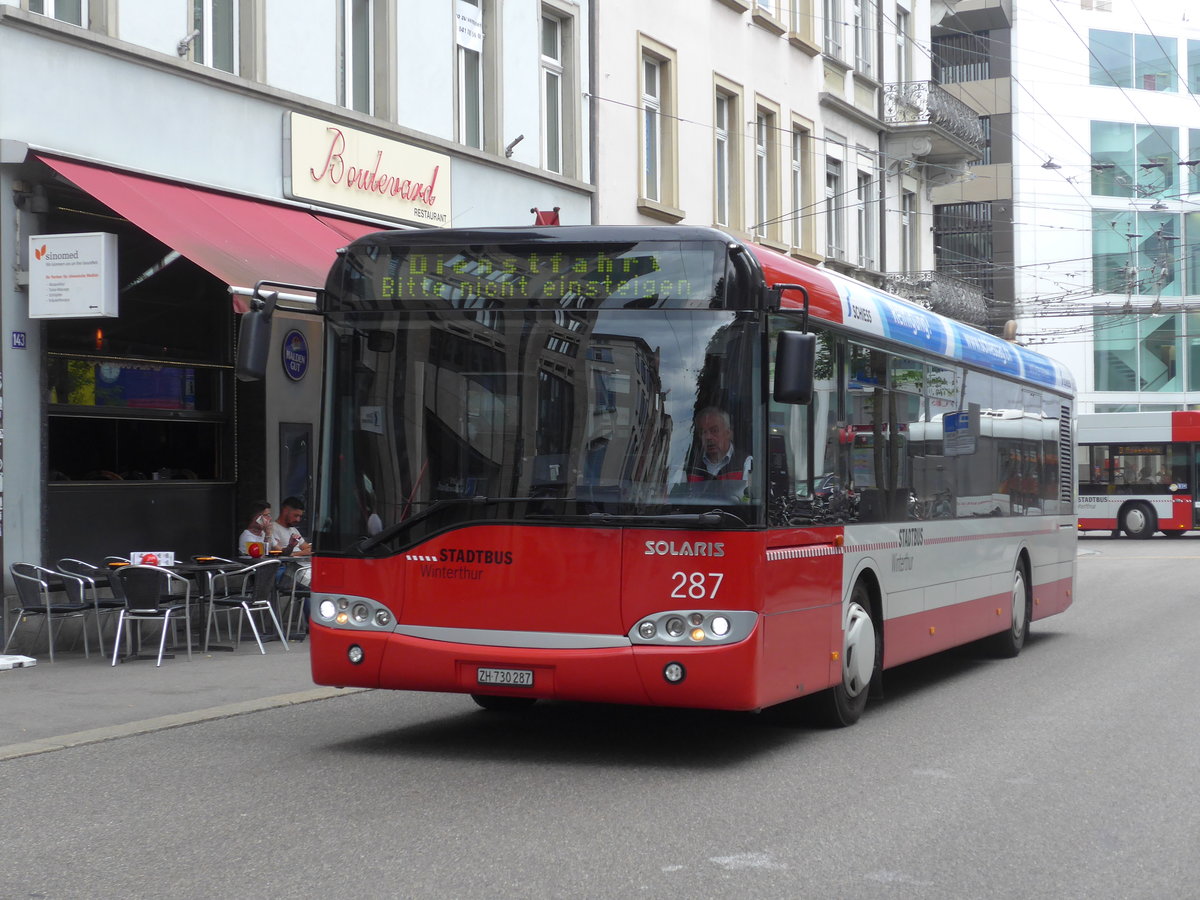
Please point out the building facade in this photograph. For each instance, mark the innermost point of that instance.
(812, 127)
(1105, 196)
(173, 153)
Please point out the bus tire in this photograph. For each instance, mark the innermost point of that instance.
(493, 703)
(1138, 521)
(862, 656)
(1008, 643)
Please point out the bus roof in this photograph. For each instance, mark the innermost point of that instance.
(872, 312)
(1157, 427)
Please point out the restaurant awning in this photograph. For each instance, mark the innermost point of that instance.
(239, 240)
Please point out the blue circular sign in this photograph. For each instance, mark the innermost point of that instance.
(295, 355)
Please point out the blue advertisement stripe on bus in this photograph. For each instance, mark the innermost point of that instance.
(874, 312)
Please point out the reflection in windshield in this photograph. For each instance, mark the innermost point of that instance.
(536, 415)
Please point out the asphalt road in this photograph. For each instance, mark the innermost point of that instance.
(1068, 772)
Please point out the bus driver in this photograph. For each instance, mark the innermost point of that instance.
(719, 459)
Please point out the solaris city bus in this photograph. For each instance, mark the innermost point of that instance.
(514, 501)
(1137, 472)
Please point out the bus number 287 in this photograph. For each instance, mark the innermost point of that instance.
(696, 585)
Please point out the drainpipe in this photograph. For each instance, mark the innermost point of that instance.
(593, 108)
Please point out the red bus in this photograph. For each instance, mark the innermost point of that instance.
(1137, 472)
(611, 464)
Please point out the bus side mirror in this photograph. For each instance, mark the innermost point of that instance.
(254, 345)
(795, 365)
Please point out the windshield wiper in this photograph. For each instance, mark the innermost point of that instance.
(711, 518)
(370, 543)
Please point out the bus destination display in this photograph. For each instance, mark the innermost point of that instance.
(663, 272)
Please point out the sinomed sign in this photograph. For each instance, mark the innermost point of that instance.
(351, 169)
(72, 276)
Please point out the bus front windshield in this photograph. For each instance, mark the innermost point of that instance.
(435, 419)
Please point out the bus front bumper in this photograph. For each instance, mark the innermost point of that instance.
(708, 677)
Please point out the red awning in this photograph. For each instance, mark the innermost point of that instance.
(241, 241)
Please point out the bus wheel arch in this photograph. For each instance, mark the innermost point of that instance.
(1137, 520)
(1007, 644)
(861, 656)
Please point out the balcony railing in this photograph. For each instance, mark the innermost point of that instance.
(917, 103)
(941, 293)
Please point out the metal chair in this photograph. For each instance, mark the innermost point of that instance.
(298, 599)
(82, 588)
(252, 590)
(34, 598)
(149, 596)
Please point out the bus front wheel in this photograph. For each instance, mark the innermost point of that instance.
(862, 655)
(1138, 521)
(1008, 644)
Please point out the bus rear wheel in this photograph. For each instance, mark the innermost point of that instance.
(862, 656)
(1138, 521)
(493, 703)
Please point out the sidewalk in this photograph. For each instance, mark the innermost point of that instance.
(77, 701)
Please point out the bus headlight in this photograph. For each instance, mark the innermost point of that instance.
(354, 613)
(693, 627)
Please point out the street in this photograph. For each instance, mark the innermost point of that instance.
(1068, 772)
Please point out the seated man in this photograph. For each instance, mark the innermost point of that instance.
(286, 536)
(256, 540)
(719, 459)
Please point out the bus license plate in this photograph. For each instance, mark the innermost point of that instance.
(506, 677)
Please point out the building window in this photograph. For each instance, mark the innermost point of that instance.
(800, 18)
(1192, 164)
(1096, 5)
(864, 36)
(961, 57)
(657, 123)
(1136, 253)
(909, 240)
(1193, 66)
(801, 142)
(652, 152)
(985, 123)
(867, 232)
(357, 56)
(835, 226)
(1138, 353)
(721, 171)
(766, 157)
(903, 47)
(962, 241)
(1133, 160)
(1146, 62)
(469, 14)
(217, 43)
(833, 29)
(552, 93)
(74, 12)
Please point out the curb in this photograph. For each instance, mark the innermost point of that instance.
(162, 723)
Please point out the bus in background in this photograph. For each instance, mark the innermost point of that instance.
(661, 466)
(1137, 472)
